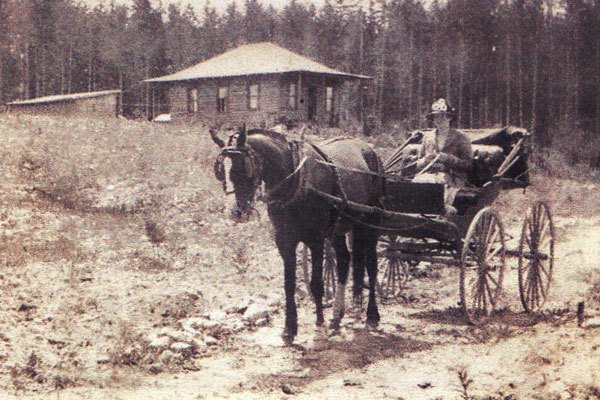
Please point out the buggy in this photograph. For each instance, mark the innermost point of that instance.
(414, 228)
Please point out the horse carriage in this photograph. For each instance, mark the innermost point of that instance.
(331, 188)
(414, 229)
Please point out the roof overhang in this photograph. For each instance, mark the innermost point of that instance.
(63, 98)
(178, 78)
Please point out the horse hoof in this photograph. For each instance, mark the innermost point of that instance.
(372, 323)
(335, 324)
(288, 338)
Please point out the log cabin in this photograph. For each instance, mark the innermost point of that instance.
(260, 84)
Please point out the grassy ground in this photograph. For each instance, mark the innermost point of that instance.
(112, 230)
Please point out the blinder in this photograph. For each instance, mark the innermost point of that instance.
(252, 166)
(220, 168)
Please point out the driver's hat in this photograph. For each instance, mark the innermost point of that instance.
(441, 106)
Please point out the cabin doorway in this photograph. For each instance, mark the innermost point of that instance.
(312, 103)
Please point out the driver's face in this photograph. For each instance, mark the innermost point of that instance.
(441, 120)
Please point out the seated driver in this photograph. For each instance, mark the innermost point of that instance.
(446, 154)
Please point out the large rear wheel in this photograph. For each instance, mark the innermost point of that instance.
(536, 257)
(482, 266)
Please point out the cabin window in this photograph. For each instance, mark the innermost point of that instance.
(222, 95)
(329, 100)
(192, 100)
(253, 91)
(293, 96)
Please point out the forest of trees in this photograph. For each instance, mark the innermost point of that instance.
(533, 63)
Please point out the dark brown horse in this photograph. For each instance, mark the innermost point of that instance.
(296, 175)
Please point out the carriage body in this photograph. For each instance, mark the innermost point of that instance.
(499, 163)
(474, 239)
(414, 228)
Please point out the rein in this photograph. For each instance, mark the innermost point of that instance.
(286, 179)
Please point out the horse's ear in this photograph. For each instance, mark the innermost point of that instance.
(243, 134)
(215, 138)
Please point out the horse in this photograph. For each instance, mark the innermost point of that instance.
(298, 178)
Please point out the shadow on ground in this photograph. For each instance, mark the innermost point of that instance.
(365, 348)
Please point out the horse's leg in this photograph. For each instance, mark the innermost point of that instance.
(342, 264)
(358, 266)
(370, 246)
(287, 249)
(316, 281)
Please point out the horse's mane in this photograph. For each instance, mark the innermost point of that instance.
(267, 132)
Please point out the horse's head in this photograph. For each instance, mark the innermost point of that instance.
(239, 169)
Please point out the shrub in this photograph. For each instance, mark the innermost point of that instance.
(572, 153)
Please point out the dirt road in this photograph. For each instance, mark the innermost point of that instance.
(95, 309)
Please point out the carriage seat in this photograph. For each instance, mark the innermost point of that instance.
(486, 161)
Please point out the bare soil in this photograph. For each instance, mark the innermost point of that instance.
(123, 278)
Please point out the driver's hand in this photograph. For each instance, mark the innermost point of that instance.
(424, 161)
(443, 158)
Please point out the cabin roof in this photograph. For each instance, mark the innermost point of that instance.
(253, 59)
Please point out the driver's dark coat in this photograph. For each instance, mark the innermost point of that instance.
(457, 147)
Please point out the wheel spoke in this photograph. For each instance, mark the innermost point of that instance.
(529, 291)
(541, 267)
(489, 291)
(543, 290)
(482, 286)
(541, 222)
(496, 251)
(544, 240)
(492, 279)
(491, 239)
(485, 230)
(530, 223)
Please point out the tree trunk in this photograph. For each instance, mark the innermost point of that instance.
(470, 108)
(461, 81)
(410, 75)
(420, 91)
(70, 69)
(434, 83)
(381, 67)
(497, 93)
(520, 56)
(120, 107)
(508, 79)
(534, 91)
(147, 100)
(90, 75)
(62, 70)
(486, 115)
(597, 85)
(448, 76)
(1, 78)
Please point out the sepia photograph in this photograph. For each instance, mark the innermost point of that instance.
(300, 199)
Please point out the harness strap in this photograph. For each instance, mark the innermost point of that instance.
(287, 178)
(296, 148)
(334, 168)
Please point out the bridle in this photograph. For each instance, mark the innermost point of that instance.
(252, 165)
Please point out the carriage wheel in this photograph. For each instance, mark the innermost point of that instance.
(536, 257)
(304, 264)
(482, 266)
(329, 270)
(396, 273)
